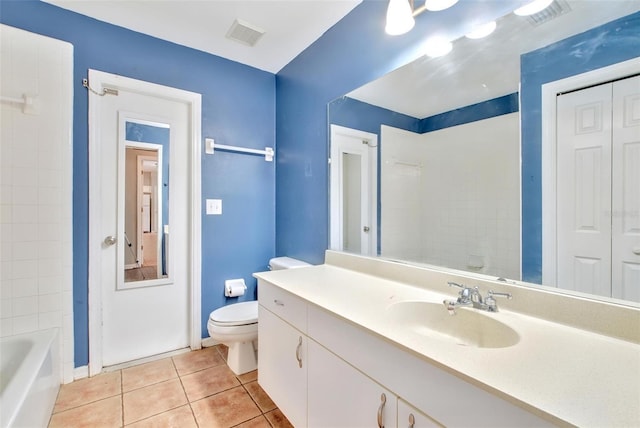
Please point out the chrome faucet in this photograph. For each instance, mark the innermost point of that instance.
(471, 297)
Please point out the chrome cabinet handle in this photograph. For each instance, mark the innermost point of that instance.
(298, 356)
(636, 251)
(412, 420)
(110, 240)
(383, 401)
(278, 302)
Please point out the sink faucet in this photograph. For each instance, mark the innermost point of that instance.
(471, 297)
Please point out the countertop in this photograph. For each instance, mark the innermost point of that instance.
(568, 375)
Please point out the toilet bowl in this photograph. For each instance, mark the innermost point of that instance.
(236, 325)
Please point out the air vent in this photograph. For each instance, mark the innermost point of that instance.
(245, 33)
(555, 9)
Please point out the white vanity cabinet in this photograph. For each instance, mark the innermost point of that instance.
(282, 351)
(339, 396)
(410, 417)
(324, 371)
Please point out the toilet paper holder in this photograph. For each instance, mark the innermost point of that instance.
(234, 287)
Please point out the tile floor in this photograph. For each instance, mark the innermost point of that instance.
(195, 389)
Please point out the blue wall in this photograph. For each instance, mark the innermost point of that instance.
(608, 44)
(353, 52)
(238, 108)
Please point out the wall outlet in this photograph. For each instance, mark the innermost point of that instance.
(214, 206)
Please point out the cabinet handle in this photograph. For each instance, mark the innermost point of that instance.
(383, 401)
(278, 302)
(412, 420)
(298, 356)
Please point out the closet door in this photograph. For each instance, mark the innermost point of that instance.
(584, 190)
(625, 253)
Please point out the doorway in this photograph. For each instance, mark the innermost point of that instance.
(595, 244)
(354, 184)
(130, 320)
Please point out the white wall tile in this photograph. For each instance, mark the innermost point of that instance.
(50, 303)
(24, 287)
(6, 309)
(25, 306)
(25, 324)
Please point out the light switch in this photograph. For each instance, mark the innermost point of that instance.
(214, 206)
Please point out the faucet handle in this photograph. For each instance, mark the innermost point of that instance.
(492, 293)
(455, 284)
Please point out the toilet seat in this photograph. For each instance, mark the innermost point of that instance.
(237, 314)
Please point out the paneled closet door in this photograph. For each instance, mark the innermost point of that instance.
(584, 190)
(598, 189)
(625, 253)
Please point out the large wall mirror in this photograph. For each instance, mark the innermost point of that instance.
(144, 216)
(473, 174)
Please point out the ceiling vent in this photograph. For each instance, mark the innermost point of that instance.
(245, 33)
(555, 9)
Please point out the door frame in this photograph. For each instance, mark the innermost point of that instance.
(98, 81)
(335, 197)
(549, 162)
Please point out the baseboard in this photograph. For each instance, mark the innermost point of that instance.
(208, 342)
(80, 372)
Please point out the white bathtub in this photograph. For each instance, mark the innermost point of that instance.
(29, 378)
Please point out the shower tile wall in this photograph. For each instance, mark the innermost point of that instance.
(36, 188)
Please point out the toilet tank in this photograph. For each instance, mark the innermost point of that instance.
(279, 263)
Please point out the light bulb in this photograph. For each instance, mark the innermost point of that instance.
(482, 31)
(437, 46)
(399, 17)
(436, 5)
(533, 7)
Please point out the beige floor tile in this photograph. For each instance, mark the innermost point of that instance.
(104, 413)
(152, 400)
(148, 374)
(182, 417)
(208, 382)
(259, 422)
(259, 396)
(197, 360)
(224, 351)
(226, 409)
(248, 377)
(277, 419)
(88, 390)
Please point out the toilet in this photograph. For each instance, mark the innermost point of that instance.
(236, 325)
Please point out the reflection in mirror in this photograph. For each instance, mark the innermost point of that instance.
(146, 201)
(463, 149)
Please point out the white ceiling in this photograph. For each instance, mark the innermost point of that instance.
(290, 25)
(479, 70)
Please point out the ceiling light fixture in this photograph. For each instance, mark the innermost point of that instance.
(437, 5)
(533, 7)
(437, 46)
(401, 14)
(399, 18)
(482, 31)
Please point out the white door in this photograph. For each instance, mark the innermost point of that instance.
(353, 191)
(598, 189)
(147, 317)
(625, 254)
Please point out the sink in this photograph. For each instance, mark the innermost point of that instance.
(468, 327)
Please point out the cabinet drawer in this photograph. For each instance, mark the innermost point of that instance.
(290, 308)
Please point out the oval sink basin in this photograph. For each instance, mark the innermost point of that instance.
(468, 327)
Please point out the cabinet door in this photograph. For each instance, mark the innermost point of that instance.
(341, 396)
(409, 416)
(282, 365)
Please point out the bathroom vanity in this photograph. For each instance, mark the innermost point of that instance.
(359, 341)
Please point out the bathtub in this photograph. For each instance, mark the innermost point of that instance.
(29, 378)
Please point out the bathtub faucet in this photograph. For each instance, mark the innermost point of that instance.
(471, 297)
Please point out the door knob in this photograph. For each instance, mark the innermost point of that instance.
(366, 228)
(110, 240)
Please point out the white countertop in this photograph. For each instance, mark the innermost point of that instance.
(571, 375)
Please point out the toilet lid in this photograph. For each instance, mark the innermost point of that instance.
(236, 314)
